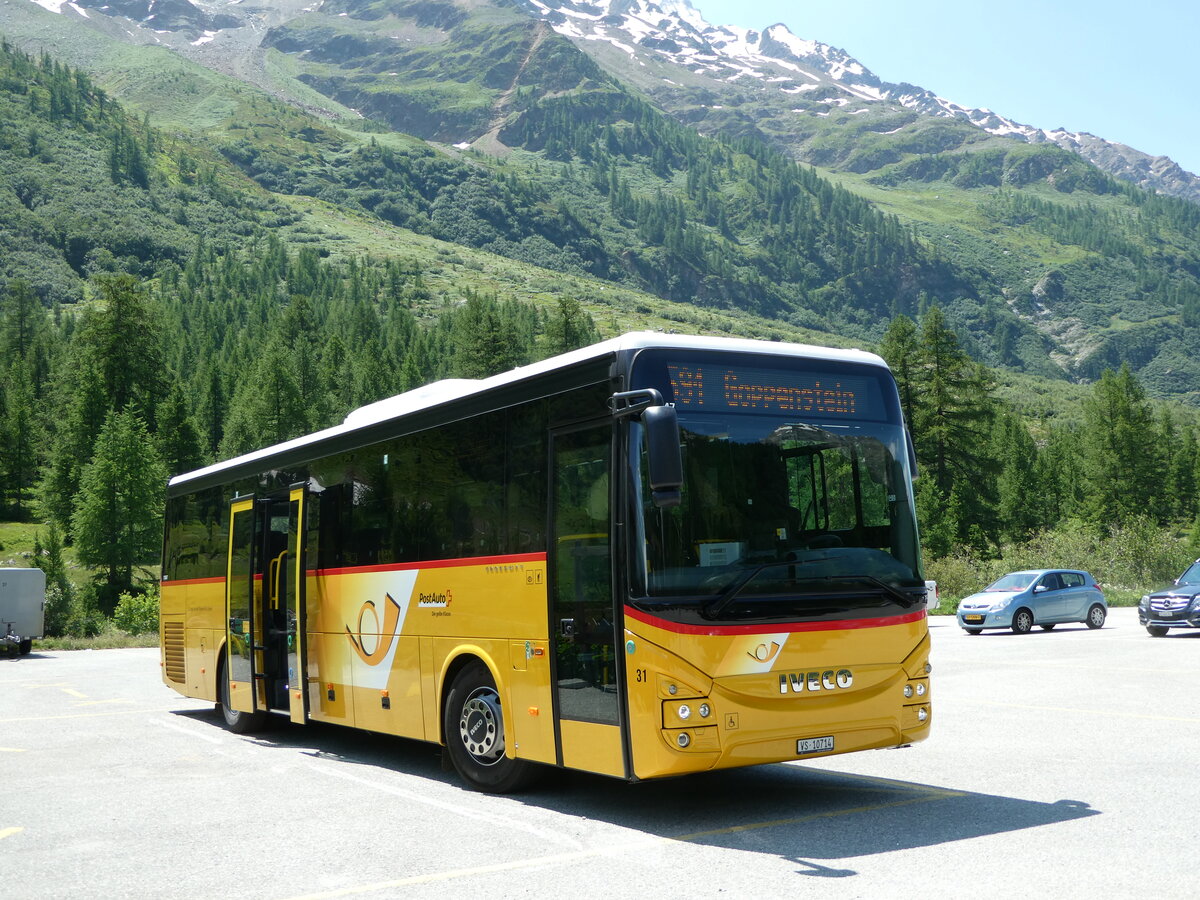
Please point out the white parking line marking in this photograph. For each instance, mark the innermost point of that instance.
(452, 806)
(190, 732)
(923, 796)
(1111, 713)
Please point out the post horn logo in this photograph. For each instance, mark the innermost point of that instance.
(764, 653)
(372, 643)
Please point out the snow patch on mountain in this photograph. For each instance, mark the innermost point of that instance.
(676, 31)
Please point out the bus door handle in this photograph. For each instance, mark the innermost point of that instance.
(566, 627)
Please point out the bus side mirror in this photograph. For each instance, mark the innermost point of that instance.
(664, 460)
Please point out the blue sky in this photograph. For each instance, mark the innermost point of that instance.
(1127, 72)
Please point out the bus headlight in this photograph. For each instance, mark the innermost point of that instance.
(705, 710)
(684, 712)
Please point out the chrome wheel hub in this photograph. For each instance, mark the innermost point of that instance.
(481, 727)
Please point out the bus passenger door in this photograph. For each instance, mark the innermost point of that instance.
(240, 603)
(265, 605)
(282, 603)
(292, 603)
(582, 618)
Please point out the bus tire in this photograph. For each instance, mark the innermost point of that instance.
(25, 647)
(475, 739)
(235, 720)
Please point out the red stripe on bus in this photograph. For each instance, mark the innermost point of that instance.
(439, 564)
(759, 628)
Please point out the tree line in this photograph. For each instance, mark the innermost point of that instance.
(100, 404)
(990, 478)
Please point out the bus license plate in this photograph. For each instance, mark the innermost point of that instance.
(814, 745)
(972, 618)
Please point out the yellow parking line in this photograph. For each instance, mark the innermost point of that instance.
(9, 832)
(74, 693)
(12, 749)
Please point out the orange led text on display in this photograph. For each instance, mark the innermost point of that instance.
(822, 396)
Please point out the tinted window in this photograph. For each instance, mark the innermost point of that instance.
(470, 488)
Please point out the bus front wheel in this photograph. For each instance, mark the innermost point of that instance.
(475, 740)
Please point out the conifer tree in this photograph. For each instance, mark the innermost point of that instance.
(1020, 506)
(484, 345)
(568, 327)
(178, 438)
(1120, 466)
(952, 422)
(117, 520)
(901, 348)
(123, 343)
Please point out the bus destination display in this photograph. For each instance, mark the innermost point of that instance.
(771, 390)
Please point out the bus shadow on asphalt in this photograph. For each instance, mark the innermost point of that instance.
(814, 817)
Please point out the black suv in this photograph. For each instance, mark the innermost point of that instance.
(1173, 607)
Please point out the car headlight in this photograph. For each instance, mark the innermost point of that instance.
(1145, 601)
(1196, 602)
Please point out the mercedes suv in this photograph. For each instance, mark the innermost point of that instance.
(1177, 606)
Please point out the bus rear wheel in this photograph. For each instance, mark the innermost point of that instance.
(474, 726)
(235, 720)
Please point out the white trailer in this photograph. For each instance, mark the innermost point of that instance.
(22, 608)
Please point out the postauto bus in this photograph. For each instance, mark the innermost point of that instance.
(653, 556)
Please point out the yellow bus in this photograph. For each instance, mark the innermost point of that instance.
(653, 556)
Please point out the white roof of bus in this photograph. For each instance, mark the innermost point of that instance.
(440, 392)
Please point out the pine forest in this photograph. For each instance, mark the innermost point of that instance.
(172, 296)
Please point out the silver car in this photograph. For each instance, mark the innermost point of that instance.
(1043, 597)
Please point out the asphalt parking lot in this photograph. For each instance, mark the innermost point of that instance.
(1061, 764)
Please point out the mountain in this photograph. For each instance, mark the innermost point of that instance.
(631, 147)
(678, 58)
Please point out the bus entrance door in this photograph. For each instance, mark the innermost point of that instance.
(581, 616)
(266, 605)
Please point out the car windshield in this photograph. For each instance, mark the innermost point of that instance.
(783, 519)
(1015, 581)
(1192, 575)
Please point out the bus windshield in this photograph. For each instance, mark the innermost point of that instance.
(782, 517)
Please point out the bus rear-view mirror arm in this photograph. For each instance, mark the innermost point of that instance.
(664, 462)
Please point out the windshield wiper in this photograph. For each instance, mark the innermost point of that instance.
(714, 608)
(890, 590)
